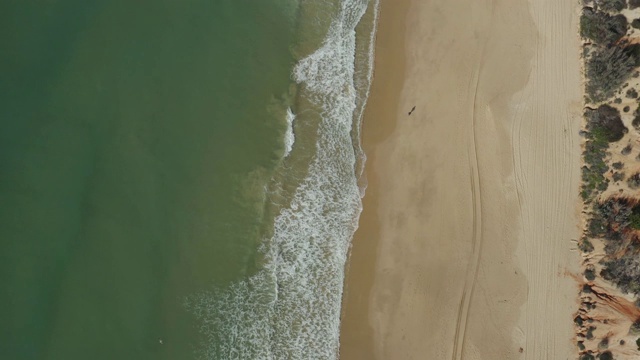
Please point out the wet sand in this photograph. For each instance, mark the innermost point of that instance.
(464, 243)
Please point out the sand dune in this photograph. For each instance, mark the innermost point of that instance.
(465, 239)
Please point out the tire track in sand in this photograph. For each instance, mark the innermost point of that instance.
(476, 240)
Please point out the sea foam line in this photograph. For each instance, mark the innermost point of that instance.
(289, 136)
(291, 308)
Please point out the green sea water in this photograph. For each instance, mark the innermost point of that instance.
(136, 141)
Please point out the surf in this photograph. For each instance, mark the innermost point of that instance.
(290, 309)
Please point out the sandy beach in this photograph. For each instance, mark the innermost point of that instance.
(465, 247)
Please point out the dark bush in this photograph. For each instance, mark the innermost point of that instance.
(624, 272)
(601, 27)
(612, 5)
(617, 176)
(585, 245)
(618, 165)
(605, 122)
(607, 70)
(634, 181)
(616, 221)
(590, 274)
(612, 218)
(633, 4)
(626, 150)
(632, 93)
(606, 356)
(636, 119)
(635, 23)
(634, 51)
(587, 357)
(604, 125)
(604, 344)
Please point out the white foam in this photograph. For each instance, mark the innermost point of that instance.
(291, 308)
(289, 136)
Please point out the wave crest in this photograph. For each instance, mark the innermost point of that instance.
(291, 308)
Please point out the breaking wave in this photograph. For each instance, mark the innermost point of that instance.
(289, 136)
(290, 309)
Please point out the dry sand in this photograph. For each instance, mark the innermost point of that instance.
(465, 242)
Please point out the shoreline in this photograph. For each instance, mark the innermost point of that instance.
(356, 340)
(450, 235)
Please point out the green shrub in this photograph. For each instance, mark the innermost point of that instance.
(604, 125)
(593, 179)
(634, 4)
(602, 28)
(607, 70)
(635, 23)
(634, 218)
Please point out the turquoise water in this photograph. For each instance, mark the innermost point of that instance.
(153, 201)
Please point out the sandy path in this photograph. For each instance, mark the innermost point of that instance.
(472, 199)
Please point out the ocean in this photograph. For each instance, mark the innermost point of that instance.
(179, 179)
